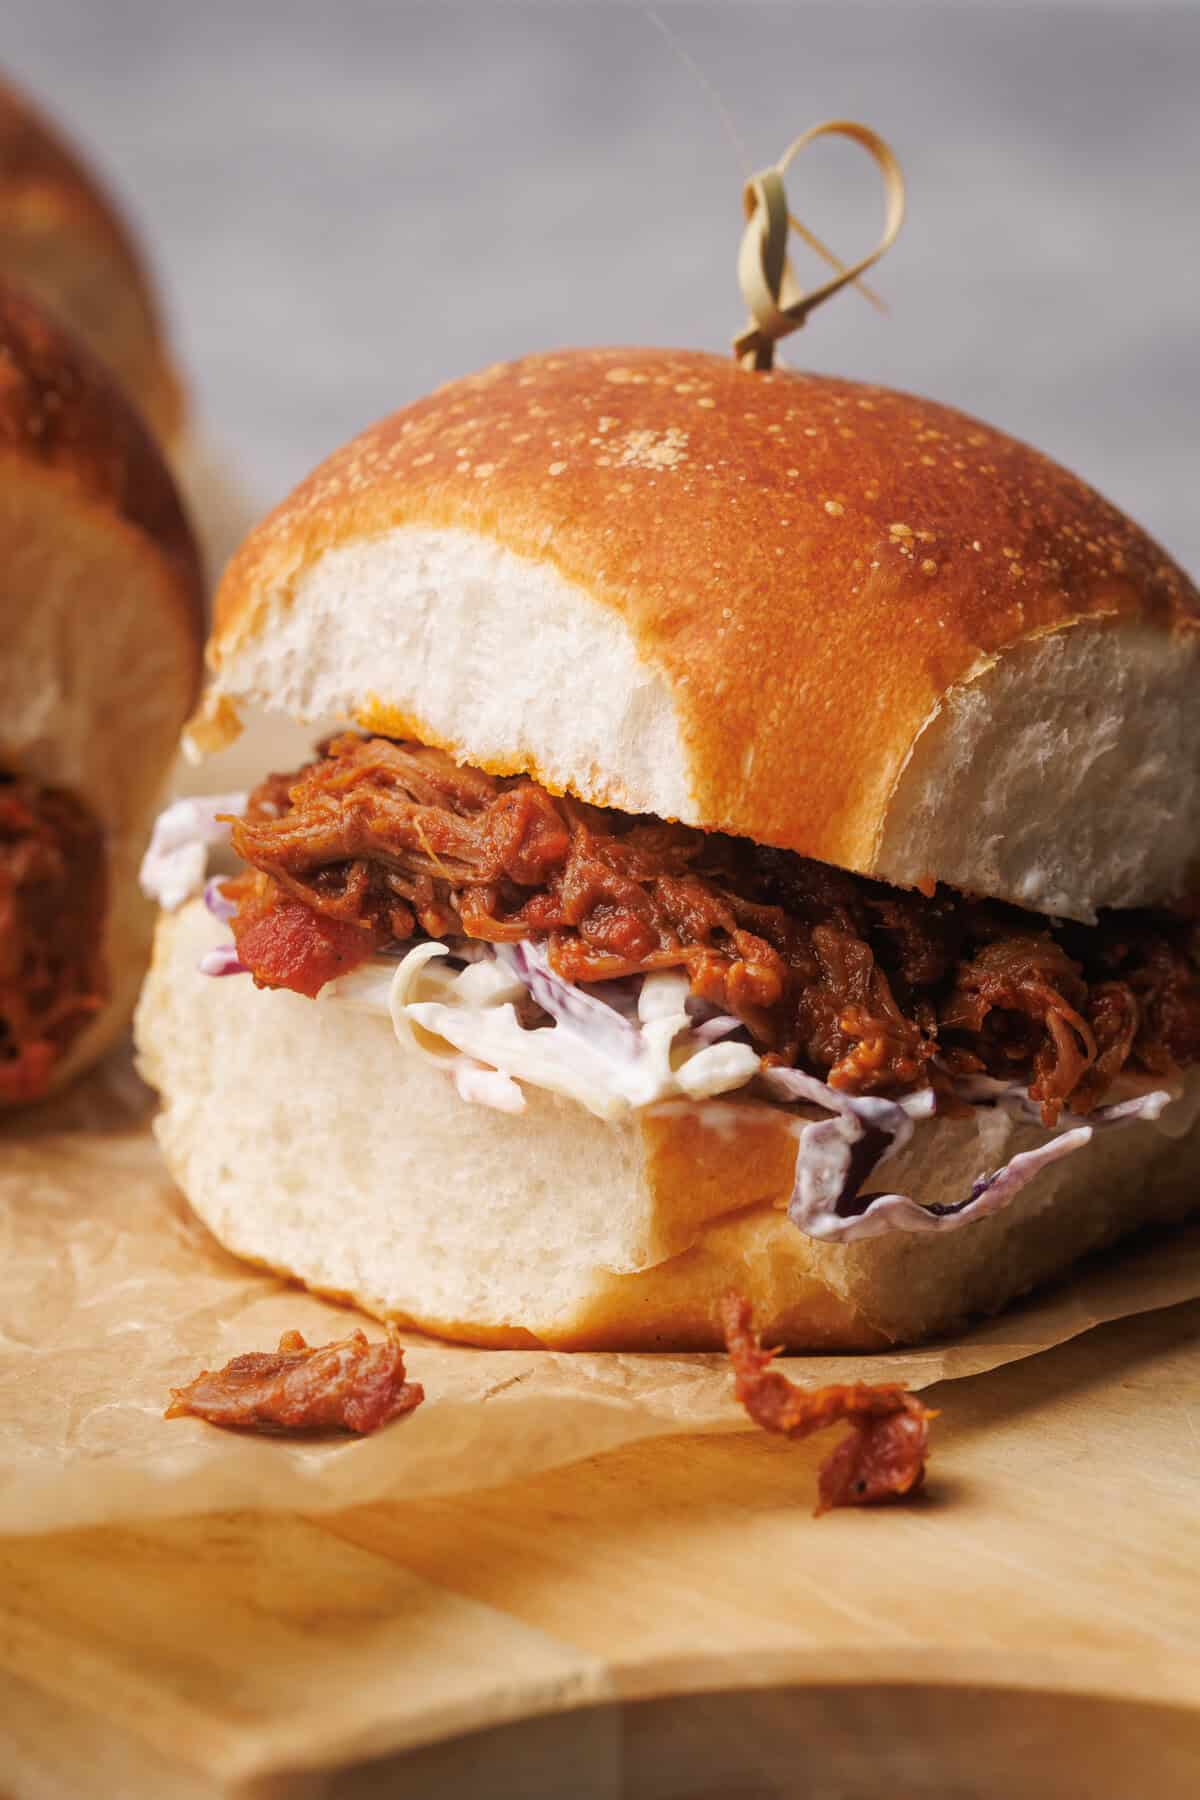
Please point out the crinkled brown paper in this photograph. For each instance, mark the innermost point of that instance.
(111, 1292)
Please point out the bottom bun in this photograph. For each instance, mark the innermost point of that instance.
(310, 1141)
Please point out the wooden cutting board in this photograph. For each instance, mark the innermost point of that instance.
(660, 1622)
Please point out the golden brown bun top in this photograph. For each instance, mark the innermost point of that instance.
(62, 237)
(809, 563)
(60, 411)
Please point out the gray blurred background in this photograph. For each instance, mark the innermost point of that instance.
(349, 202)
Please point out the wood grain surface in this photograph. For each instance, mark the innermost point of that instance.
(663, 1621)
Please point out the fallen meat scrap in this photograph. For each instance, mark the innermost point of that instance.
(350, 1385)
(882, 1458)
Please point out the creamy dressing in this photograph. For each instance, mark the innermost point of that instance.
(451, 1014)
(176, 860)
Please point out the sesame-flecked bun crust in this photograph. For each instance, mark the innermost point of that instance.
(810, 569)
(63, 240)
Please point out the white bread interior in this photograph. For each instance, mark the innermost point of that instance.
(309, 1140)
(481, 648)
(1065, 776)
(1010, 789)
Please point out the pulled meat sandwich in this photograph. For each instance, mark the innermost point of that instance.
(757, 849)
(99, 665)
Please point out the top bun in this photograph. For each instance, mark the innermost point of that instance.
(63, 240)
(820, 614)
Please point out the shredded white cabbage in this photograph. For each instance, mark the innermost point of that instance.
(176, 860)
(487, 1087)
(466, 1020)
(613, 1054)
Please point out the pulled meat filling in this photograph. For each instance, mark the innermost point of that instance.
(883, 1455)
(53, 899)
(350, 1385)
(863, 984)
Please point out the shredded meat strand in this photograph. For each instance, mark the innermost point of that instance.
(53, 901)
(377, 841)
(882, 1457)
(350, 1385)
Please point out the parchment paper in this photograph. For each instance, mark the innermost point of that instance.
(111, 1292)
